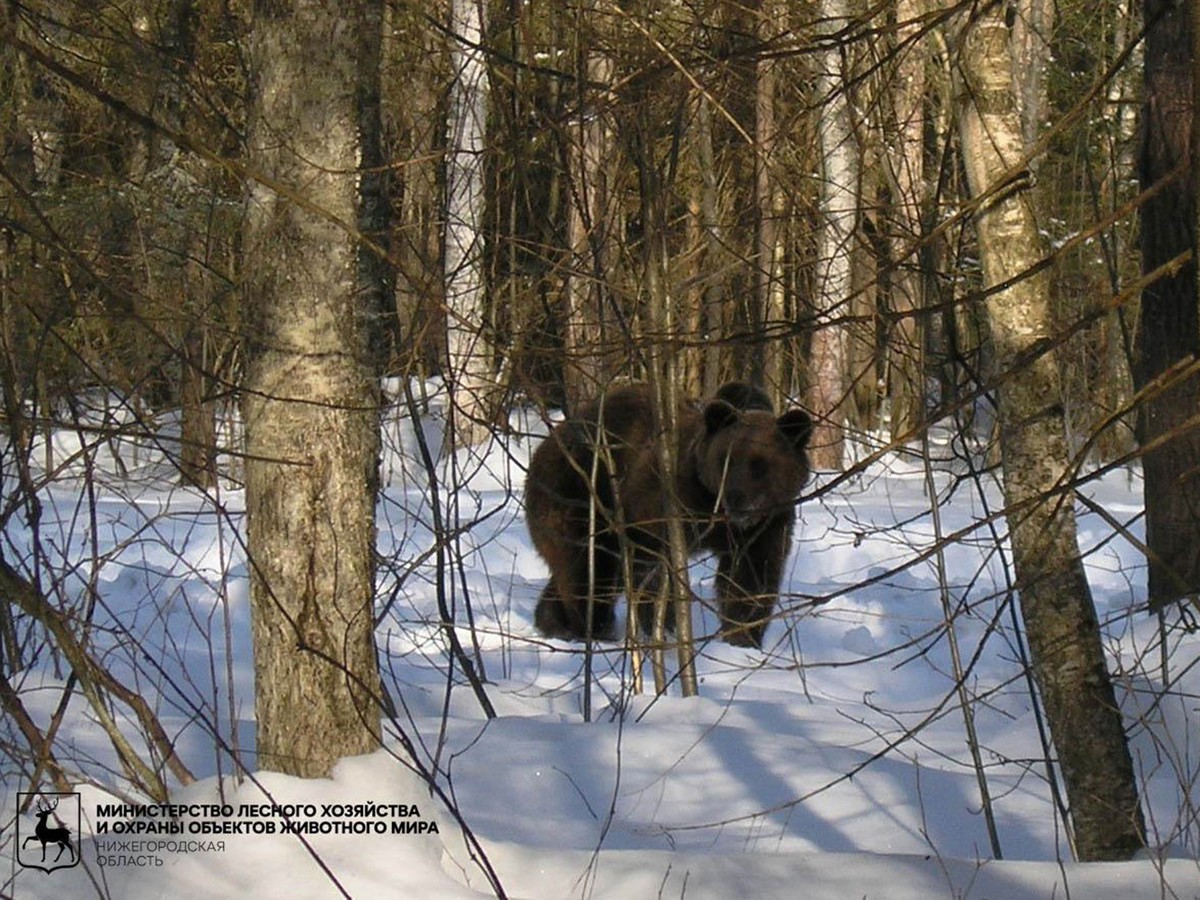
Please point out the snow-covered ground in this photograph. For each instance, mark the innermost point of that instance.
(834, 763)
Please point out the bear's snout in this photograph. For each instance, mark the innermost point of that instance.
(744, 508)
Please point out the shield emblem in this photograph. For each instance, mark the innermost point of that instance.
(53, 842)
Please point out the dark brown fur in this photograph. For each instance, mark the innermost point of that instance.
(739, 470)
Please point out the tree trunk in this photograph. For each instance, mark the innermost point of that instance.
(310, 394)
(838, 205)
(594, 351)
(1060, 621)
(769, 209)
(712, 303)
(1116, 358)
(1029, 49)
(414, 77)
(660, 317)
(469, 343)
(198, 423)
(905, 362)
(1169, 326)
(733, 42)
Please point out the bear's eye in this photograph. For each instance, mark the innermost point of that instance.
(758, 467)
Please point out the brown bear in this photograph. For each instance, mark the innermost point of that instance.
(739, 471)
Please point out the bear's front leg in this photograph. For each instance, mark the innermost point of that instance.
(748, 577)
(577, 605)
(569, 620)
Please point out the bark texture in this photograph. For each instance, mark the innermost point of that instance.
(468, 337)
(769, 205)
(839, 205)
(907, 177)
(1169, 326)
(1060, 620)
(591, 338)
(310, 398)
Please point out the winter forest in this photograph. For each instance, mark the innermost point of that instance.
(309, 311)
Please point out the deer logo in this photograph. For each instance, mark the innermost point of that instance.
(50, 831)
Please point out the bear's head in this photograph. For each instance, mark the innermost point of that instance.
(754, 463)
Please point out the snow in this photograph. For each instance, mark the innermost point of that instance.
(834, 763)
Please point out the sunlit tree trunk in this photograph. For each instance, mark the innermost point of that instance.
(470, 372)
(1060, 620)
(907, 158)
(769, 207)
(591, 338)
(1032, 24)
(1169, 325)
(838, 209)
(310, 393)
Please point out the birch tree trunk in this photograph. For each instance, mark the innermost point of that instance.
(838, 207)
(769, 208)
(469, 344)
(310, 393)
(1060, 620)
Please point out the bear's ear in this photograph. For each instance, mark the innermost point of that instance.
(717, 415)
(797, 427)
